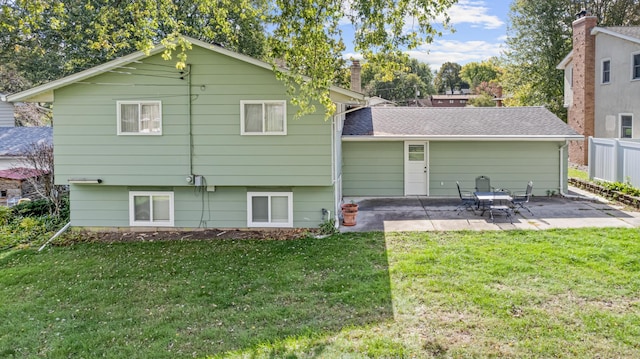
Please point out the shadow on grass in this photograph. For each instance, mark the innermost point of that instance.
(172, 299)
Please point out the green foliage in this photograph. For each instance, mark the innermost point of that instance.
(51, 38)
(328, 227)
(413, 80)
(625, 187)
(474, 73)
(30, 223)
(448, 78)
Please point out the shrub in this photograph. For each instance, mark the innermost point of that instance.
(5, 215)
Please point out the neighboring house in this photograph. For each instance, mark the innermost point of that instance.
(602, 83)
(413, 151)
(15, 184)
(142, 144)
(215, 145)
(455, 100)
(14, 141)
(7, 117)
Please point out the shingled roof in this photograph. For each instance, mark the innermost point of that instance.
(467, 123)
(15, 140)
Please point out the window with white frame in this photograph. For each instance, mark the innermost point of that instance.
(626, 126)
(263, 117)
(151, 209)
(269, 209)
(635, 70)
(139, 118)
(606, 71)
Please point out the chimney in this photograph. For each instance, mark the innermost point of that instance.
(355, 76)
(581, 113)
(499, 96)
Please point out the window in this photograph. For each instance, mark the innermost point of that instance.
(270, 209)
(3, 194)
(606, 71)
(635, 71)
(451, 101)
(626, 126)
(263, 117)
(139, 118)
(151, 209)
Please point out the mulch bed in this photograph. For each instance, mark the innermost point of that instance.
(208, 234)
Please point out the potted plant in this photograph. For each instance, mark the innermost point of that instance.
(349, 213)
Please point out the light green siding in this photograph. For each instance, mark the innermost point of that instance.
(108, 206)
(510, 165)
(87, 144)
(377, 168)
(372, 169)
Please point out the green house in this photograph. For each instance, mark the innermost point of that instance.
(142, 144)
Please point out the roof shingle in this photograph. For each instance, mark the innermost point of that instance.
(470, 122)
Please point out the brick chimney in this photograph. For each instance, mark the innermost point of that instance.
(498, 96)
(355, 76)
(581, 114)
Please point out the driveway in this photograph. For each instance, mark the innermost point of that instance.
(440, 214)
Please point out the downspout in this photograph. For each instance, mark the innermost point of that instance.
(189, 119)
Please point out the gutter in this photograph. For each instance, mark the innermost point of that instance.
(462, 138)
(3, 98)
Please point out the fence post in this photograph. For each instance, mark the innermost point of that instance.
(591, 157)
(617, 157)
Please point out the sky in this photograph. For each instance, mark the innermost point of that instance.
(480, 31)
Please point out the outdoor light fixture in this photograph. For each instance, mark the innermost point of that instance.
(85, 180)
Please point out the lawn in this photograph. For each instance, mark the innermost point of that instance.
(560, 293)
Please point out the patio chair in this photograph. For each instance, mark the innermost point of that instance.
(483, 184)
(500, 207)
(467, 199)
(520, 199)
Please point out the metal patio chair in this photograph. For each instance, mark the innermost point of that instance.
(483, 184)
(520, 199)
(467, 200)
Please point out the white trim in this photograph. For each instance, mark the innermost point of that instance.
(137, 102)
(526, 138)
(251, 223)
(620, 124)
(602, 61)
(263, 133)
(425, 146)
(151, 223)
(634, 54)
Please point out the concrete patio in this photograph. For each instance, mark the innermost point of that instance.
(440, 214)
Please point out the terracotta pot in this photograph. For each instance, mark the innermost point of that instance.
(349, 213)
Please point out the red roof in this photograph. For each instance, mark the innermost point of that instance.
(20, 173)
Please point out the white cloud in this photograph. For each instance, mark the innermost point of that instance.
(474, 13)
(461, 52)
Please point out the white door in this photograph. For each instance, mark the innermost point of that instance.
(416, 169)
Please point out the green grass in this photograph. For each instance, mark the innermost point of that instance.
(576, 173)
(561, 293)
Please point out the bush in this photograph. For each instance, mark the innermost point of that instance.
(625, 188)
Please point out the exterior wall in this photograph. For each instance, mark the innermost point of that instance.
(377, 168)
(620, 95)
(98, 206)
(509, 165)
(6, 115)
(568, 86)
(581, 111)
(87, 144)
(373, 169)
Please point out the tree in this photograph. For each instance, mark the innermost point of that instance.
(413, 81)
(487, 92)
(474, 73)
(448, 78)
(539, 37)
(27, 114)
(39, 159)
(304, 34)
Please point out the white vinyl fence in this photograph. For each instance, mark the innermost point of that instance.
(615, 160)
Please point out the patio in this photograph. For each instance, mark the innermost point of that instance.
(439, 214)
